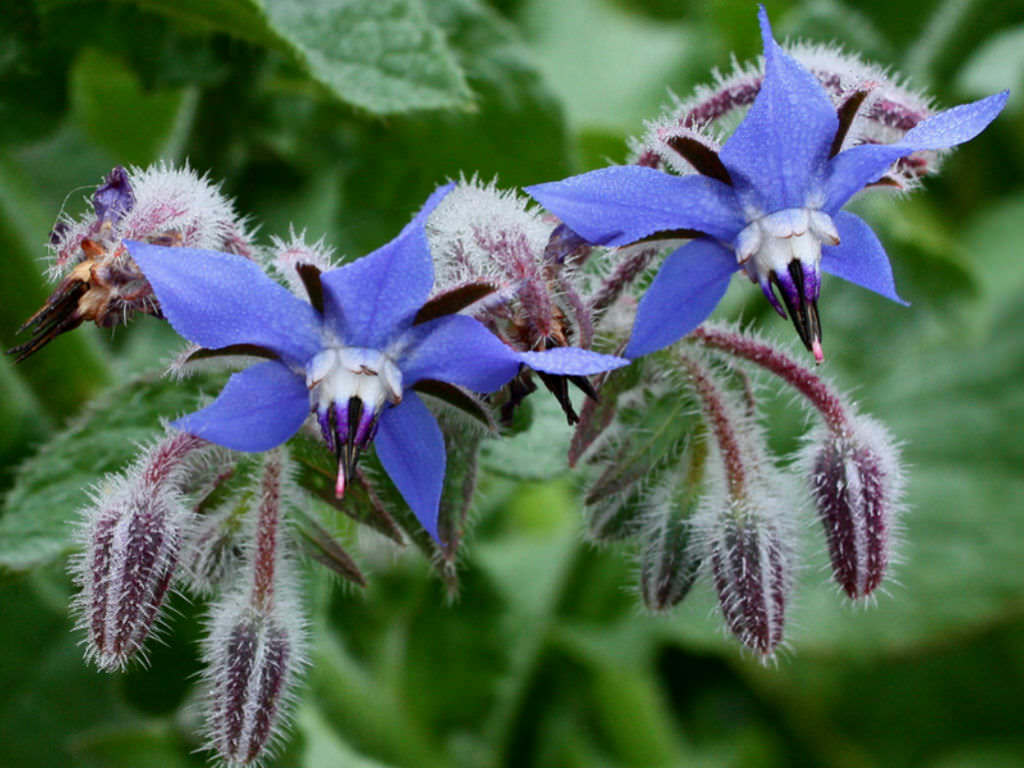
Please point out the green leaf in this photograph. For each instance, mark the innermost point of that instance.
(516, 132)
(383, 56)
(51, 487)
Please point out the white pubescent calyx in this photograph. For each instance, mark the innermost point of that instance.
(337, 374)
(775, 240)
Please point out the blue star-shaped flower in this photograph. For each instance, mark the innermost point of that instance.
(768, 202)
(351, 355)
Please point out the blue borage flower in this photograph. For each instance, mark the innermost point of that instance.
(352, 354)
(769, 202)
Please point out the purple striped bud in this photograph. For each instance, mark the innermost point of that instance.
(751, 570)
(132, 537)
(253, 659)
(743, 523)
(256, 639)
(856, 484)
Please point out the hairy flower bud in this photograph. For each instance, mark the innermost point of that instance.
(132, 538)
(256, 641)
(751, 570)
(671, 562)
(856, 483)
(743, 521)
(253, 658)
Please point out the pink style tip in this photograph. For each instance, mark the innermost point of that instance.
(816, 350)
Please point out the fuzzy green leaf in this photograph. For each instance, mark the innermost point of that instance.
(383, 56)
(52, 486)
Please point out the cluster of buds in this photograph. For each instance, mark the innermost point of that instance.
(148, 530)
(96, 278)
(682, 467)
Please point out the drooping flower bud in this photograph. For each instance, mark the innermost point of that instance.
(850, 461)
(856, 484)
(743, 521)
(256, 642)
(132, 538)
(751, 570)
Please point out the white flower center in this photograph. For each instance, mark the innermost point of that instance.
(775, 240)
(337, 374)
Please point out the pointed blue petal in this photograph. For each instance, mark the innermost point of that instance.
(571, 361)
(779, 151)
(218, 299)
(623, 204)
(374, 298)
(859, 257)
(258, 409)
(457, 349)
(850, 171)
(411, 448)
(689, 285)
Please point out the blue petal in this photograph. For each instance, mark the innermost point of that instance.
(623, 204)
(689, 285)
(781, 148)
(859, 257)
(852, 170)
(376, 297)
(218, 299)
(258, 409)
(571, 361)
(411, 448)
(457, 349)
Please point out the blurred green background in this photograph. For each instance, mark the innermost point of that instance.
(340, 117)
